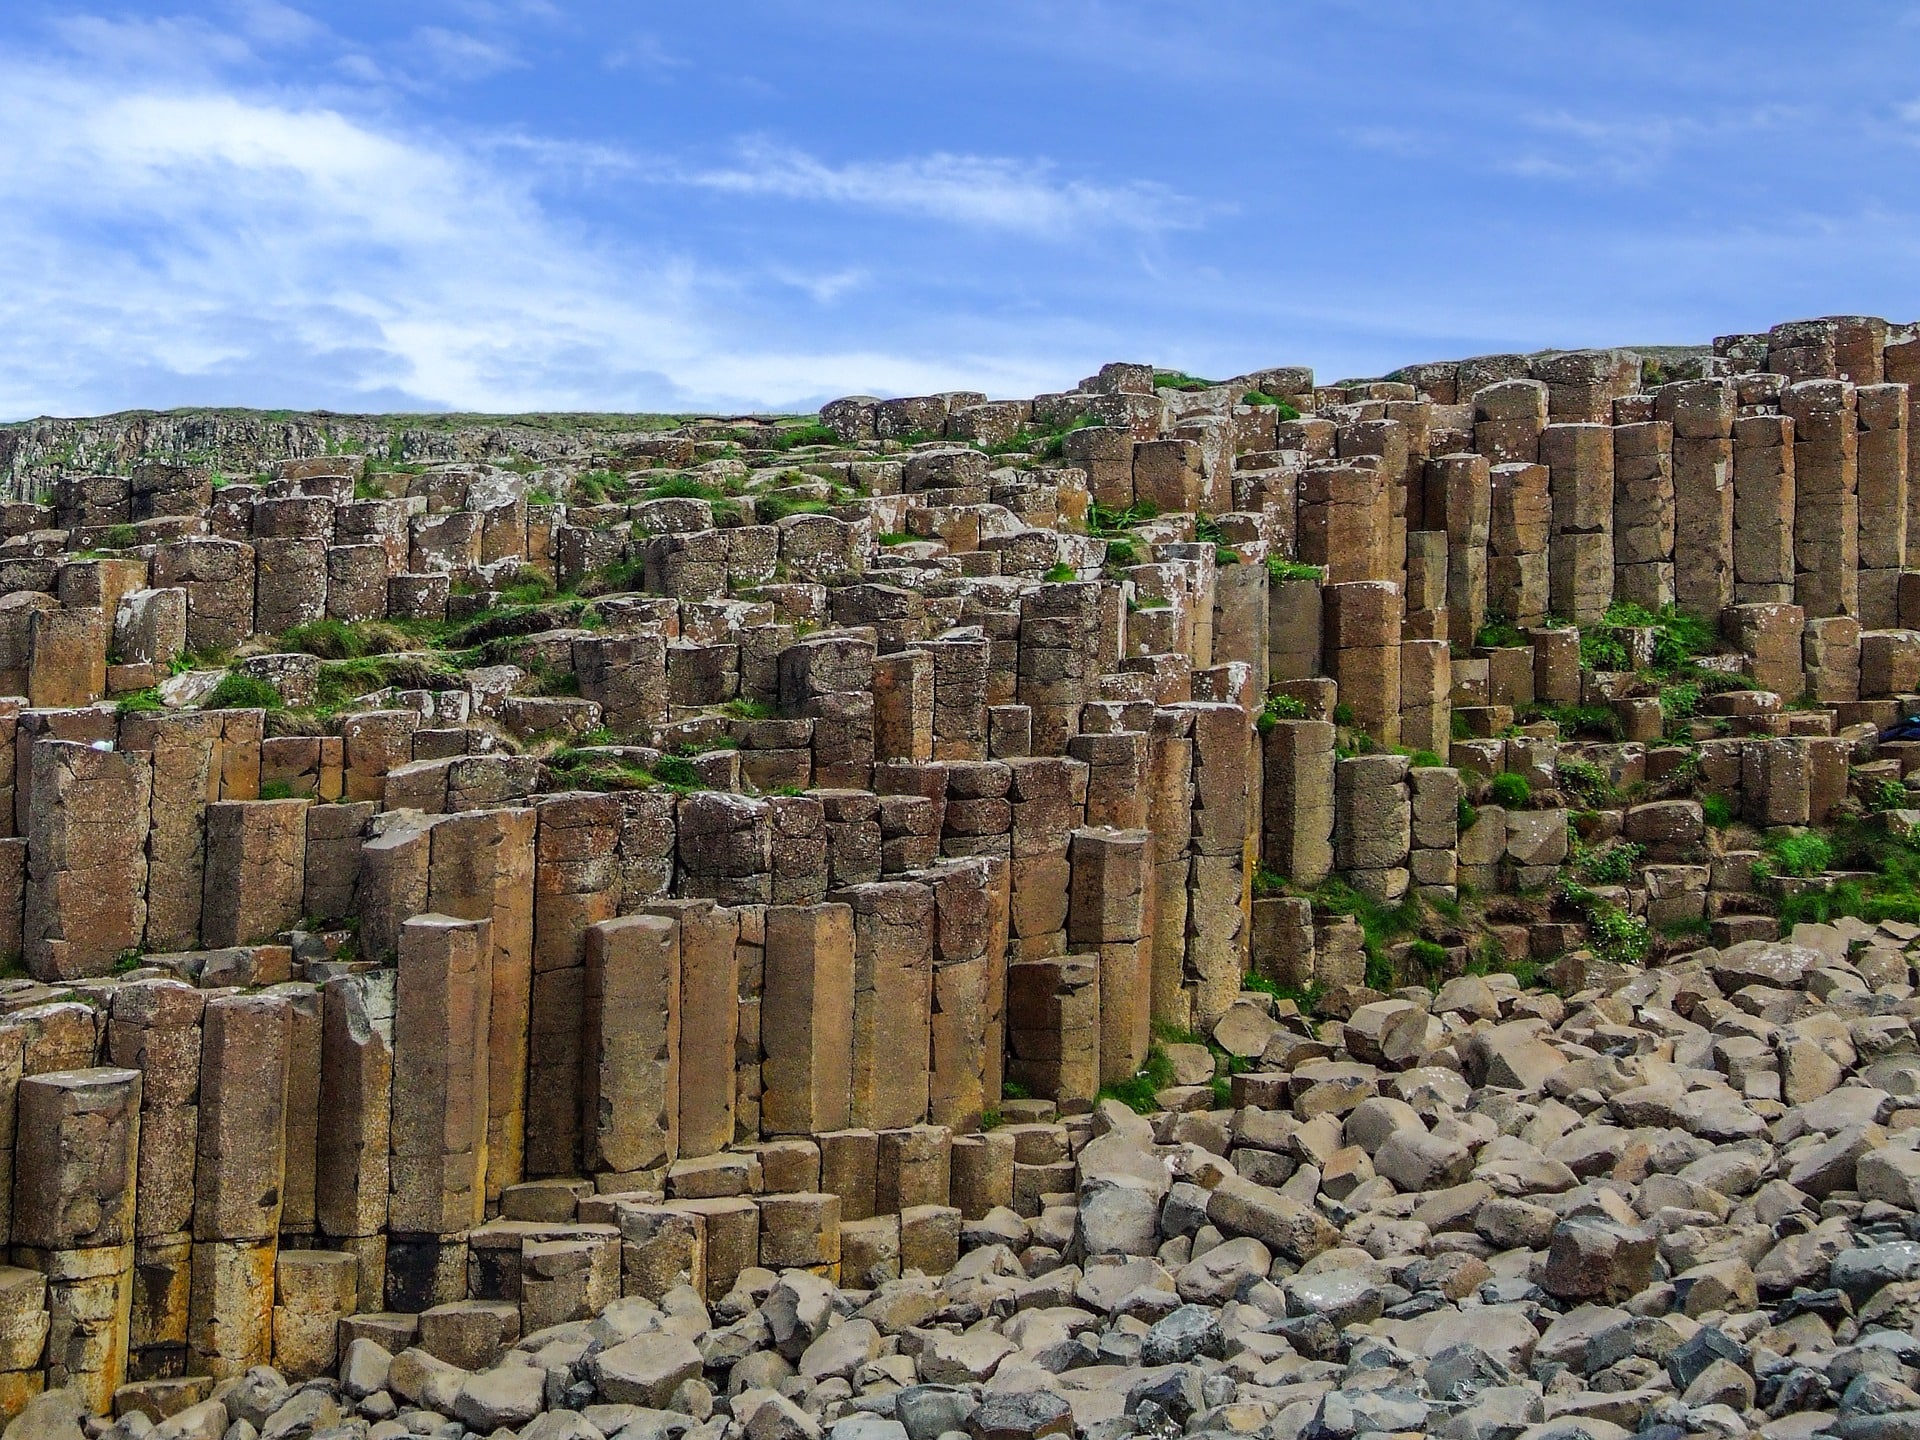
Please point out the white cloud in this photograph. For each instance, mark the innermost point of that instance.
(176, 231)
(460, 56)
(988, 192)
(170, 239)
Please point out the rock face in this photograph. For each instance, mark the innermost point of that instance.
(1156, 907)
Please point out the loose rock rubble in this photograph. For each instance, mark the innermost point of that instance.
(1685, 1205)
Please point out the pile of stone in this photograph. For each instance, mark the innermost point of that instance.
(542, 898)
(1683, 1204)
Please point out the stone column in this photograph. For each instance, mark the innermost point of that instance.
(352, 1160)
(1293, 629)
(1580, 466)
(1053, 1029)
(256, 870)
(155, 1029)
(1763, 501)
(1048, 799)
(1346, 519)
(482, 868)
(575, 886)
(75, 1168)
(86, 859)
(1109, 916)
(1220, 894)
(1426, 696)
(1826, 517)
(1362, 639)
(438, 1134)
(806, 1019)
(1507, 420)
(1643, 513)
(1464, 486)
(1882, 449)
(893, 936)
(1517, 543)
(298, 1222)
(239, 1180)
(968, 990)
(1169, 789)
(1373, 825)
(1056, 669)
(630, 1097)
(709, 1008)
(1297, 796)
(960, 681)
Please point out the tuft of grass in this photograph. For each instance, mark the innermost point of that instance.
(276, 790)
(1586, 782)
(1280, 569)
(1104, 522)
(1138, 1090)
(1179, 380)
(339, 640)
(1014, 1090)
(1498, 633)
(1282, 707)
(1380, 925)
(798, 435)
(770, 509)
(1509, 790)
(1803, 854)
(744, 709)
(1612, 864)
(1263, 399)
(242, 692)
(140, 702)
(1718, 811)
(1061, 575)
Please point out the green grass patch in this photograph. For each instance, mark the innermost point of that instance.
(340, 640)
(1179, 380)
(1278, 708)
(1105, 522)
(242, 692)
(771, 509)
(1612, 864)
(1498, 633)
(1803, 854)
(1061, 575)
(1281, 569)
(798, 435)
(1509, 790)
(1586, 782)
(1138, 1090)
(140, 702)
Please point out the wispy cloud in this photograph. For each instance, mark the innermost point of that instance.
(458, 55)
(988, 192)
(1628, 149)
(172, 236)
(644, 52)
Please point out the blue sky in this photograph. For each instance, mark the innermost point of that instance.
(521, 204)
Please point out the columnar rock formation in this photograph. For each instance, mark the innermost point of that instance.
(454, 901)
